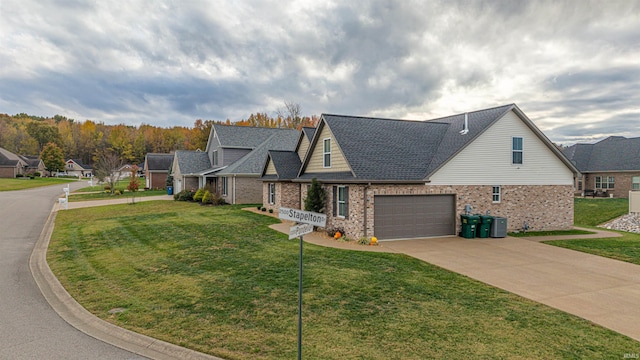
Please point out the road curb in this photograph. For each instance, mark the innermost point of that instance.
(78, 317)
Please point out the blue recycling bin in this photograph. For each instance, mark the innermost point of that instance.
(169, 190)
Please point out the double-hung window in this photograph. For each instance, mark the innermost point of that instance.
(225, 185)
(341, 201)
(326, 153)
(272, 193)
(496, 194)
(605, 182)
(635, 183)
(516, 150)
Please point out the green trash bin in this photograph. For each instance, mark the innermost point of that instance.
(484, 227)
(469, 224)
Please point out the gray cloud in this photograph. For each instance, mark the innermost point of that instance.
(571, 66)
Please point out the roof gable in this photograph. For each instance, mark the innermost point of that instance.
(7, 158)
(192, 162)
(156, 161)
(252, 163)
(286, 164)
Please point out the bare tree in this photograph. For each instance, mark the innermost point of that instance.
(107, 168)
(291, 114)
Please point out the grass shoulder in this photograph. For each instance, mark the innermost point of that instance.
(103, 195)
(27, 183)
(218, 280)
(551, 233)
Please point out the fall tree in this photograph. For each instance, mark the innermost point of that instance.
(134, 183)
(52, 157)
(107, 168)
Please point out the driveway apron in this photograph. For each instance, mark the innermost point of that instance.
(29, 328)
(604, 291)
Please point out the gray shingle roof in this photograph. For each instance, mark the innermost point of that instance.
(403, 150)
(309, 132)
(7, 158)
(192, 162)
(253, 162)
(615, 153)
(156, 161)
(246, 137)
(287, 164)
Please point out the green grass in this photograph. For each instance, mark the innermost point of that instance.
(103, 195)
(593, 212)
(218, 280)
(551, 233)
(120, 184)
(26, 183)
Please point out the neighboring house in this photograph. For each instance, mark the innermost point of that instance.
(11, 164)
(610, 167)
(76, 168)
(156, 169)
(187, 166)
(397, 179)
(232, 162)
(125, 171)
(34, 164)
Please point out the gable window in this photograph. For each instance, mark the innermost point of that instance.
(496, 194)
(272, 193)
(215, 157)
(635, 183)
(326, 153)
(516, 150)
(341, 201)
(225, 185)
(605, 182)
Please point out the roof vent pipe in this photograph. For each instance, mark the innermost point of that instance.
(465, 130)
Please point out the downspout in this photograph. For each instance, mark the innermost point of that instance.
(233, 194)
(364, 201)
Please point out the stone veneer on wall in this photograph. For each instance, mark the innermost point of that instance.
(542, 207)
(287, 195)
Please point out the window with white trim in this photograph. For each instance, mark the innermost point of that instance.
(272, 193)
(496, 195)
(215, 157)
(342, 201)
(326, 153)
(225, 185)
(516, 150)
(635, 183)
(605, 182)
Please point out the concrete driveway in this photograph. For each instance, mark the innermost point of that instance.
(604, 291)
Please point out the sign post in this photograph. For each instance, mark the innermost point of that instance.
(306, 220)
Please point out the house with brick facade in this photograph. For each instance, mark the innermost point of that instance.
(400, 179)
(232, 161)
(610, 167)
(156, 169)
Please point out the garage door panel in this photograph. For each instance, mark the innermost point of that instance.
(411, 216)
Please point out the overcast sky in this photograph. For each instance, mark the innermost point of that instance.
(572, 66)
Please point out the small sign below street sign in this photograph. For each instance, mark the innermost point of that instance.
(299, 230)
(302, 216)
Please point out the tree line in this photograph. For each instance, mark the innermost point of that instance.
(87, 140)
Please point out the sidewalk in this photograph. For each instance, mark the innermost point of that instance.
(118, 200)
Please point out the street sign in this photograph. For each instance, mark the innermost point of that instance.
(301, 216)
(299, 230)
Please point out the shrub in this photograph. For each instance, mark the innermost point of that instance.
(19, 175)
(37, 174)
(117, 192)
(364, 241)
(259, 207)
(270, 211)
(199, 194)
(333, 231)
(184, 195)
(107, 187)
(315, 200)
(264, 208)
(217, 199)
(207, 198)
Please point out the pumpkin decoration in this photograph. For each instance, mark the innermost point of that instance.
(337, 235)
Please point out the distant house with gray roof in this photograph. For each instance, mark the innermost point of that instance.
(156, 169)
(610, 167)
(397, 179)
(11, 164)
(232, 161)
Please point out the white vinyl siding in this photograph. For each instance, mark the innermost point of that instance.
(488, 159)
(316, 157)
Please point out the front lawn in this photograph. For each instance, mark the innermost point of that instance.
(218, 280)
(26, 183)
(593, 212)
(102, 195)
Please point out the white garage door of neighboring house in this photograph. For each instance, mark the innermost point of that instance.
(414, 216)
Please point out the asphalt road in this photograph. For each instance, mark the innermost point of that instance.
(29, 328)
